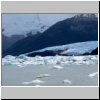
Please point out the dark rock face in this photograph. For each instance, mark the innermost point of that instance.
(95, 52)
(72, 30)
(46, 53)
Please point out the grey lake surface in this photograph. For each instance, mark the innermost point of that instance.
(70, 75)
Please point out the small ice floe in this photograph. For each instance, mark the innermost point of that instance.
(94, 58)
(58, 67)
(43, 75)
(22, 56)
(26, 83)
(67, 81)
(37, 81)
(20, 66)
(37, 85)
(93, 75)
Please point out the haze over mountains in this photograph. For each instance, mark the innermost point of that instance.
(18, 26)
(80, 28)
(9, 41)
(21, 24)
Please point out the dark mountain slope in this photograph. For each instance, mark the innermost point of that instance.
(77, 29)
(95, 52)
(7, 42)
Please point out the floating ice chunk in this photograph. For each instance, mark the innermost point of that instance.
(43, 75)
(21, 66)
(92, 75)
(57, 61)
(34, 81)
(77, 58)
(26, 83)
(37, 81)
(94, 58)
(37, 85)
(22, 56)
(9, 57)
(6, 63)
(57, 67)
(67, 81)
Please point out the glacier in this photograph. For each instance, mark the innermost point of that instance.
(73, 52)
(79, 48)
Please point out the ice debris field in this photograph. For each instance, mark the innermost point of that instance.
(50, 71)
(57, 60)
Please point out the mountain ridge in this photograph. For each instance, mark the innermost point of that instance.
(71, 30)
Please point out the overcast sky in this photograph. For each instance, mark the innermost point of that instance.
(22, 23)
